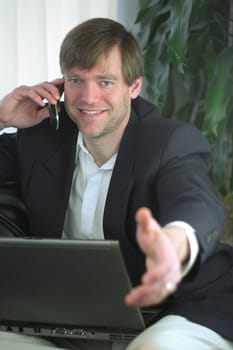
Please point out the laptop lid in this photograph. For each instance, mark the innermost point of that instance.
(66, 288)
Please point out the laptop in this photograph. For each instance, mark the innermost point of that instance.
(67, 288)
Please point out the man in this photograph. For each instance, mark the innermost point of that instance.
(115, 170)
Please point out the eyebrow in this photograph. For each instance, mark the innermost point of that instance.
(101, 76)
(107, 77)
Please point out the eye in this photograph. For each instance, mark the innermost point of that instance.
(73, 81)
(106, 83)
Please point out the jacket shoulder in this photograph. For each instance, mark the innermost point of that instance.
(143, 107)
(167, 132)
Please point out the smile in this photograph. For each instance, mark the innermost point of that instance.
(90, 112)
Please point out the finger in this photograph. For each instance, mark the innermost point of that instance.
(147, 295)
(43, 113)
(36, 94)
(48, 90)
(153, 293)
(58, 81)
(148, 234)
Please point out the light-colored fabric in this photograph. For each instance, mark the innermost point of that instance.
(84, 344)
(193, 244)
(170, 333)
(176, 333)
(84, 216)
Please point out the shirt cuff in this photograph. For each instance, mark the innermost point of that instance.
(193, 245)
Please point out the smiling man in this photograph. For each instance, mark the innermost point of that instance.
(116, 170)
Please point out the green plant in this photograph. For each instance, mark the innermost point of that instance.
(188, 66)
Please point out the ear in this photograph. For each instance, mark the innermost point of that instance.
(135, 88)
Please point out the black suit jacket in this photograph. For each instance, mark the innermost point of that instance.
(161, 164)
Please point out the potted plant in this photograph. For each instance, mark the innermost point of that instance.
(188, 66)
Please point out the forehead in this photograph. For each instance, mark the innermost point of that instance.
(109, 62)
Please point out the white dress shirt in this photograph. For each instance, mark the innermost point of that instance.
(84, 216)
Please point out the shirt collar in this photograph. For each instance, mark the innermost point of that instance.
(81, 148)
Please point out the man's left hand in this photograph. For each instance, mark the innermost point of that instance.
(163, 266)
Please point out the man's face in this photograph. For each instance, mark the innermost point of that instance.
(98, 100)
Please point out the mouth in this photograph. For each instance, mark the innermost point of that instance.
(91, 112)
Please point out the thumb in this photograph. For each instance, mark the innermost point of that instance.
(148, 232)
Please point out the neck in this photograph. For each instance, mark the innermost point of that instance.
(102, 149)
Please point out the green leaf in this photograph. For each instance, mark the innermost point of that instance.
(180, 12)
(218, 94)
(156, 72)
(141, 15)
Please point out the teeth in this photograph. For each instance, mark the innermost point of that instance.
(91, 112)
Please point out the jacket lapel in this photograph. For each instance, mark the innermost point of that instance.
(121, 182)
(50, 183)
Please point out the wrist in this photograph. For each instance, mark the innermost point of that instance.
(180, 242)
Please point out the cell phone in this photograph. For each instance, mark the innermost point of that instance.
(54, 110)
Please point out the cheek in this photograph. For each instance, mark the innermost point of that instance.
(70, 96)
(72, 93)
(70, 103)
(119, 97)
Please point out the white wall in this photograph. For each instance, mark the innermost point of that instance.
(31, 32)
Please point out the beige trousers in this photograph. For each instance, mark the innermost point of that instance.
(169, 333)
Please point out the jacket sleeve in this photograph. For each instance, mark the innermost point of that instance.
(184, 189)
(8, 158)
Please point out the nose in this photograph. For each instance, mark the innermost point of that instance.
(90, 93)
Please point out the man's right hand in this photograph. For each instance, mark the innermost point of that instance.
(23, 107)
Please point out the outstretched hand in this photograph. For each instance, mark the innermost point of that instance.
(163, 266)
(20, 108)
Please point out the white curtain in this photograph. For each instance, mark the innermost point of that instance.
(31, 32)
